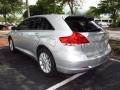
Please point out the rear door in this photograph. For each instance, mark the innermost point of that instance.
(32, 35)
(98, 38)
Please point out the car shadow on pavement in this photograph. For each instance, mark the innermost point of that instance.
(102, 79)
(23, 72)
(20, 72)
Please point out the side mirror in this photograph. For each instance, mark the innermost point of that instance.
(14, 28)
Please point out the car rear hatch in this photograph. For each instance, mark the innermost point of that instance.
(96, 36)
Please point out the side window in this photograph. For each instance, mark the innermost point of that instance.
(38, 24)
(42, 24)
(31, 24)
(23, 25)
(47, 25)
(35, 23)
(28, 24)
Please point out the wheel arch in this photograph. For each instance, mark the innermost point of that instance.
(54, 68)
(40, 47)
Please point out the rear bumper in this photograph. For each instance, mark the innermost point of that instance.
(84, 65)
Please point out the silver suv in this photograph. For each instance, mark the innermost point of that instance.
(68, 44)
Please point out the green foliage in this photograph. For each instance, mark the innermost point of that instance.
(11, 19)
(1, 19)
(110, 7)
(93, 12)
(8, 7)
(44, 7)
(73, 5)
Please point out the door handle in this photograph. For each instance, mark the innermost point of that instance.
(37, 34)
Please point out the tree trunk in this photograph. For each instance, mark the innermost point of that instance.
(28, 9)
(5, 18)
(114, 17)
(71, 7)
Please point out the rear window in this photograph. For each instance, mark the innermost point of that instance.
(82, 24)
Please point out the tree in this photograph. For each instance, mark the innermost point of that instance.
(44, 7)
(27, 7)
(93, 12)
(73, 4)
(8, 7)
(1, 19)
(111, 7)
(11, 19)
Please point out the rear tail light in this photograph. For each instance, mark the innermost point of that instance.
(75, 38)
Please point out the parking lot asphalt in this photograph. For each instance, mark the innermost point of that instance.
(20, 72)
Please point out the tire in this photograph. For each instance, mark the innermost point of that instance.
(46, 62)
(11, 45)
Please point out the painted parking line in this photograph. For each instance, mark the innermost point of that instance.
(112, 59)
(54, 87)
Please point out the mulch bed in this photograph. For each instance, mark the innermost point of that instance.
(115, 45)
(3, 42)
